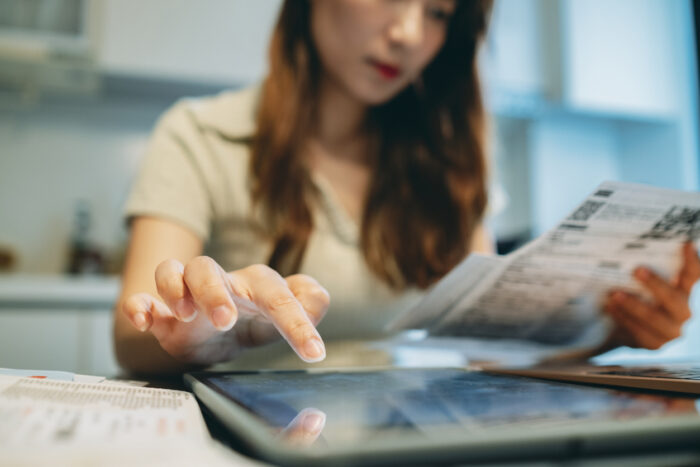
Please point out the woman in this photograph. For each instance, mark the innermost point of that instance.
(369, 126)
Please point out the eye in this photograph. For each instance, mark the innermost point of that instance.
(442, 14)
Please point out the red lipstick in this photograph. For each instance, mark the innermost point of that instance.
(386, 70)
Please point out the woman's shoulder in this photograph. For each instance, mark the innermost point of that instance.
(194, 171)
(229, 114)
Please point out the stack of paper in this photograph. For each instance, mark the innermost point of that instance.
(57, 422)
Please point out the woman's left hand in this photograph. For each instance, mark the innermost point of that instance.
(651, 324)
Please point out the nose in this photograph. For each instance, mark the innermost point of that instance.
(407, 27)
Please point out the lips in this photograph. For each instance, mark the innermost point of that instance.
(385, 70)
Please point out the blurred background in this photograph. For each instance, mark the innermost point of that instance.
(580, 91)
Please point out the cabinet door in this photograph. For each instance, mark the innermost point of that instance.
(75, 341)
(520, 60)
(97, 333)
(622, 56)
(41, 340)
(214, 41)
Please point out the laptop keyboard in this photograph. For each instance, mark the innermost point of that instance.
(689, 373)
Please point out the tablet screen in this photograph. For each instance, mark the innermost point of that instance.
(349, 407)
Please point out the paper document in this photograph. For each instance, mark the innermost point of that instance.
(551, 290)
(40, 412)
(70, 423)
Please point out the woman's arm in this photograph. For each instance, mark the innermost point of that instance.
(152, 241)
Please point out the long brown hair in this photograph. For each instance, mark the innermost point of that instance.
(427, 190)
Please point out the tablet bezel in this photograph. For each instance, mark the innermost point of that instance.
(585, 439)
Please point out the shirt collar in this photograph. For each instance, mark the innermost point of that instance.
(231, 113)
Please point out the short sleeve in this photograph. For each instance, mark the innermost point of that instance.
(171, 183)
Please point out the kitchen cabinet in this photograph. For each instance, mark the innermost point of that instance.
(57, 323)
(207, 41)
(622, 56)
(518, 61)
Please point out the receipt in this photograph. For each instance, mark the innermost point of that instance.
(41, 412)
(458, 283)
(551, 290)
(53, 422)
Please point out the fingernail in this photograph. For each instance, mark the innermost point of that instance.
(140, 321)
(190, 318)
(185, 312)
(314, 350)
(223, 318)
(313, 422)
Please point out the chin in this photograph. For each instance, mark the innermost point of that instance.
(377, 95)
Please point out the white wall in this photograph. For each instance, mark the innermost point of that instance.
(51, 157)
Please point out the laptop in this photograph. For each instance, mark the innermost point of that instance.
(404, 416)
(680, 378)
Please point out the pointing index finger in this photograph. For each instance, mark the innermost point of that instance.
(271, 294)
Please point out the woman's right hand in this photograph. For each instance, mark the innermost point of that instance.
(208, 315)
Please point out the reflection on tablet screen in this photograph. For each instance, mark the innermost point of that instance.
(352, 406)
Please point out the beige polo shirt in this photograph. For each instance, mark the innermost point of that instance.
(195, 173)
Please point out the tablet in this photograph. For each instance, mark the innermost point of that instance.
(412, 416)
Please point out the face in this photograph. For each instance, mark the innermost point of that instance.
(372, 49)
